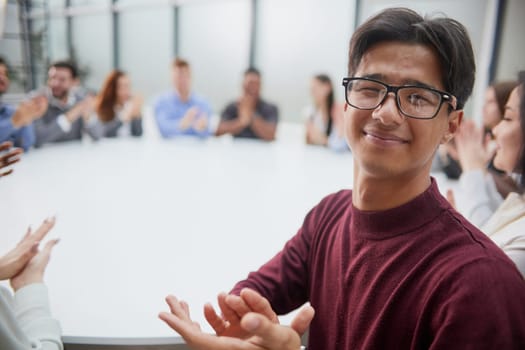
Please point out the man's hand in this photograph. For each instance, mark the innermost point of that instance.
(264, 334)
(233, 308)
(189, 118)
(201, 124)
(16, 260)
(82, 109)
(9, 158)
(29, 110)
(246, 109)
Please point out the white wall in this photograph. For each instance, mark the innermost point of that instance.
(214, 37)
(298, 39)
(146, 50)
(512, 50)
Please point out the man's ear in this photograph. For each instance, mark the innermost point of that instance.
(454, 121)
(345, 107)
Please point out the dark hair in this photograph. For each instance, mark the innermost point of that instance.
(107, 98)
(252, 70)
(521, 164)
(180, 63)
(3, 62)
(502, 91)
(446, 36)
(67, 65)
(325, 79)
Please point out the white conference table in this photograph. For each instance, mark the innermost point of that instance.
(141, 218)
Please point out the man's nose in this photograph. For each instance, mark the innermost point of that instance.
(388, 112)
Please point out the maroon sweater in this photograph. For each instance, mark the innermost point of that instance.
(414, 277)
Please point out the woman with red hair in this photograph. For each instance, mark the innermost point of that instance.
(119, 111)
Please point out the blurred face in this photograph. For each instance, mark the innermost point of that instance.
(508, 135)
(182, 80)
(252, 84)
(4, 79)
(319, 91)
(491, 113)
(60, 81)
(123, 89)
(385, 144)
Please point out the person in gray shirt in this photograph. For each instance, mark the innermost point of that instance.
(69, 113)
(250, 116)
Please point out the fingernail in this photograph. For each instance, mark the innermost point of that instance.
(251, 323)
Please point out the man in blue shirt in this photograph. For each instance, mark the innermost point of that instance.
(181, 112)
(16, 123)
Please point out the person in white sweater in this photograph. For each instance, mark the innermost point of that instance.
(506, 226)
(25, 317)
(483, 187)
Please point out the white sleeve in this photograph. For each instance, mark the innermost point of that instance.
(516, 253)
(64, 124)
(31, 308)
(480, 196)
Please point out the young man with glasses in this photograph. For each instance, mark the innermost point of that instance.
(390, 264)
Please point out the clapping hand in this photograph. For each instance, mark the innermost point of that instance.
(9, 158)
(25, 264)
(30, 110)
(251, 331)
(472, 150)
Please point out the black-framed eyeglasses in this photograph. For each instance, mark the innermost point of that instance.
(413, 101)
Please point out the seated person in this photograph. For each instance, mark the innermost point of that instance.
(324, 120)
(16, 123)
(119, 111)
(182, 112)
(389, 264)
(250, 116)
(447, 158)
(25, 317)
(506, 227)
(483, 186)
(67, 116)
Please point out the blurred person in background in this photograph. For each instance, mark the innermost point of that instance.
(250, 116)
(324, 119)
(483, 186)
(68, 114)
(117, 108)
(506, 226)
(181, 111)
(16, 122)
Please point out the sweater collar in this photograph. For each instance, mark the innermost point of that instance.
(400, 220)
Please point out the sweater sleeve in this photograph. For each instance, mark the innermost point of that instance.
(481, 198)
(479, 308)
(31, 308)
